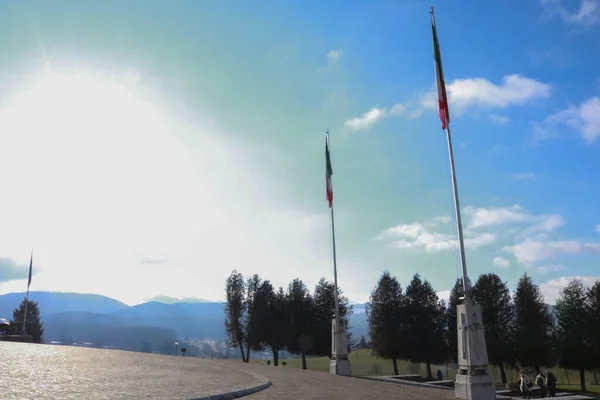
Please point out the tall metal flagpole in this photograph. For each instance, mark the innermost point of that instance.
(446, 126)
(461, 241)
(335, 281)
(473, 378)
(27, 294)
(339, 363)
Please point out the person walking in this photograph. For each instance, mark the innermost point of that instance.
(540, 381)
(526, 385)
(551, 383)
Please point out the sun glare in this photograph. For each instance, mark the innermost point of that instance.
(90, 164)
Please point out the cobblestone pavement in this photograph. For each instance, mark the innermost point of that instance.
(30, 371)
(296, 384)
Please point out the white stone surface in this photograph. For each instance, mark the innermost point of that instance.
(472, 350)
(339, 342)
(474, 380)
(340, 367)
(339, 364)
(475, 387)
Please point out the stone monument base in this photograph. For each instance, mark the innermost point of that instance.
(339, 367)
(16, 338)
(475, 387)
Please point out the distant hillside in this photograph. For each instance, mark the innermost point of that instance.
(76, 316)
(105, 330)
(204, 320)
(358, 322)
(57, 302)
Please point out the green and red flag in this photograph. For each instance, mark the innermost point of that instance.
(328, 172)
(439, 76)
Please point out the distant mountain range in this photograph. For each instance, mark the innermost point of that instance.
(79, 316)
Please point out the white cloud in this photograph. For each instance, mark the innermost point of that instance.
(551, 289)
(584, 119)
(479, 92)
(372, 116)
(499, 119)
(514, 90)
(444, 295)
(598, 228)
(427, 236)
(496, 216)
(119, 197)
(501, 262)
(524, 235)
(333, 57)
(586, 14)
(530, 251)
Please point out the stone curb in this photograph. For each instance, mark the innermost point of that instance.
(237, 393)
(404, 382)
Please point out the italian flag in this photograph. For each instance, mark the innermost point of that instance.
(328, 173)
(439, 75)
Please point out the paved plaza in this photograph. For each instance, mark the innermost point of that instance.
(296, 384)
(31, 371)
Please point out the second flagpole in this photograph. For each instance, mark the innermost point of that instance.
(335, 280)
(339, 363)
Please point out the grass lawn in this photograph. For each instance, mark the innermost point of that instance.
(363, 363)
(576, 388)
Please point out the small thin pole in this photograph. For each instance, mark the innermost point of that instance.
(335, 281)
(461, 241)
(27, 295)
(25, 315)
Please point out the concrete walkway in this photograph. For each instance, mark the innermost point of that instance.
(296, 384)
(30, 371)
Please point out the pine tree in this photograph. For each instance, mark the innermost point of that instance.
(300, 312)
(271, 318)
(363, 343)
(279, 322)
(251, 333)
(574, 348)
(426, 324)
(33, 325)
(593, 312)
(492, 294)
(386, 316)
(235, 311)
(533, 326)
(324, 303)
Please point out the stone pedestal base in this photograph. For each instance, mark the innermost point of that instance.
(16, 338)
(475, 387)
(473, 380)
(339, 364)
(339, 367)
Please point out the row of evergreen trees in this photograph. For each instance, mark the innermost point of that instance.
(521, 330)
(258, 316)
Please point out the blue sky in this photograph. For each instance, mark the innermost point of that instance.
(169, 143)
